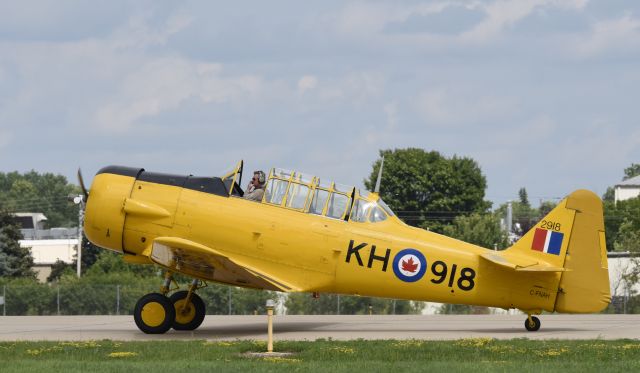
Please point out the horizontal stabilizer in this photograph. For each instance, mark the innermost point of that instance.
(542, 268)
(520, 264)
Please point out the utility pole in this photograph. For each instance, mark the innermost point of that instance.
(80, 225)
(117, 299)
(509, 217)
(79, 200)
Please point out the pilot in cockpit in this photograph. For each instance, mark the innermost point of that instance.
(255, 189)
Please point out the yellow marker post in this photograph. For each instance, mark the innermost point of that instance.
(270, 305)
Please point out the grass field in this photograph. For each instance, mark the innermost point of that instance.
(468, 355)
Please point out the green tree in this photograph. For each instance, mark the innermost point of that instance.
(480, 229)
(26, 296)
(21, 194)
(58, 269)
(621, 214)
(616, 215)
(34, 192)
(609, 195)
(628, 238)
(90, 254)
(631, 171)
(427, 189)
(524, 199)
(109, 262)
(328, 304)
(15, 261)
(250, 301)
(305, 304)
(219, 299)
(545, 208)
(462, 309)
(524, 216)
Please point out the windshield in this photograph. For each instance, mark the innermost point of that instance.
(385, 207)
(369, 211)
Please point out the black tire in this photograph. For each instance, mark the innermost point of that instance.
(532, 327)
(194, 318)
(154, 314)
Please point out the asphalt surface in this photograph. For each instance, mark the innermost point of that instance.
(432, 327)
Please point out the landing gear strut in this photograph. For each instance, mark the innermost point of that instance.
(155, 313)
(532, 323)
(189, 308)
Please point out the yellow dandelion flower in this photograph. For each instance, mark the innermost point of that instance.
(123, 354)
(89, 344)
(499, 349)
(552, 352)
(630, 346)
(259, 344)
(218, 343)
(277, 359)
(407, 343)
(473, 342)
(342, 349)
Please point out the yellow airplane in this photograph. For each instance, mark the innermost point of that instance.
(311, 235)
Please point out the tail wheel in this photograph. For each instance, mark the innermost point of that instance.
(154, 314)
(532, 324)
(189, 315)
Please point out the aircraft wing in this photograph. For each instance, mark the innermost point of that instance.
(517, 263)
(196, 260)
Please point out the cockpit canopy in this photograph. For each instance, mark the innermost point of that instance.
(313, 195)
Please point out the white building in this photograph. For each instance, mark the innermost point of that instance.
(627, 189)
(47, 245)
(621, 264)
(46, 252)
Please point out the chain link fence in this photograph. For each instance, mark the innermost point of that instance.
(84, 299)
(110, 299)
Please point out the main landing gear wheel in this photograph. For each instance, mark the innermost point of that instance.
(154, 313)
(189, 315)
(532, 323)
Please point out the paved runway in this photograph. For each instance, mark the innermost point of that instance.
(433, 327)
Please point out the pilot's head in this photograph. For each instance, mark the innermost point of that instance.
(259, 178)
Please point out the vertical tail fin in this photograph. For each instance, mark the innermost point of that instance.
(571, 238)
(584, 287)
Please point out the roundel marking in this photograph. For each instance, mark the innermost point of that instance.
(409, 265)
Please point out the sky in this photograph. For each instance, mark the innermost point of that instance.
(543, 94)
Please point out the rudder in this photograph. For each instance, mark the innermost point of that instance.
(584, 286)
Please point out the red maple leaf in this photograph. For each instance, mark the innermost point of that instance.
(409, 265)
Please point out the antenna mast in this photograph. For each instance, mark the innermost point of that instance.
(377, 188)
